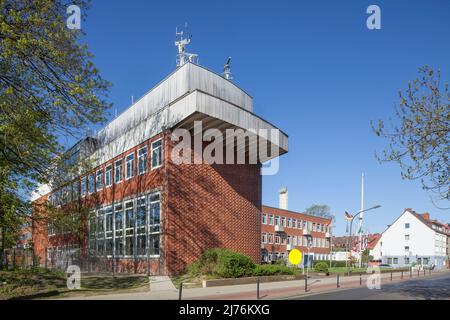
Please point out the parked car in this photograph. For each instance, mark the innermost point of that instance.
(385, 266)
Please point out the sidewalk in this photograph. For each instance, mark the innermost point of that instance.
(270, 290)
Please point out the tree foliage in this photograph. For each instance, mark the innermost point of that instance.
(319, 210)
(419, 136)
(49, 88)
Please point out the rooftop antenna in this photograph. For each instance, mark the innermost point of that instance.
(181, 43)
(227, 70)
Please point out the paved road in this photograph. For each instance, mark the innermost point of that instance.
(437, 287)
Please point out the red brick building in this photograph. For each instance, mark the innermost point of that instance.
(283, 230)
(146, 212)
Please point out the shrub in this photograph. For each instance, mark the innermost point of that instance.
(271, 269)
(222, 263)
(321, 267)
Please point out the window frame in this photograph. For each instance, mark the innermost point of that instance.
(151, 155)
(145, 162)
(110, 166)
(121, 171)
(132, 166)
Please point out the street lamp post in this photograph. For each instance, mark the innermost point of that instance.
(350, 231)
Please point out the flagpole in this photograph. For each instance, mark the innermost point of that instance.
(361, 217)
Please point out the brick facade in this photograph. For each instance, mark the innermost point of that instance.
(202, 206)
(319, 229)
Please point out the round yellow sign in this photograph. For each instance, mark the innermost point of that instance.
(295, 257)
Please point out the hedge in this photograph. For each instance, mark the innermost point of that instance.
(224, 263)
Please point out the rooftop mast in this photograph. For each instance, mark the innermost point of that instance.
(181, 43)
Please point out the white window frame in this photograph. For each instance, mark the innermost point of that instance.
(151, 155)
(139, 159)
(121, 171)
(83, 183)
(110, 166)
(97, 189)
(126, 166)
(88, 183)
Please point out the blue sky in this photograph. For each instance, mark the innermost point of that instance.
(313, 69)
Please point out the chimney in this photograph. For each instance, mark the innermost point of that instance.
(283, 198)
(426, 216)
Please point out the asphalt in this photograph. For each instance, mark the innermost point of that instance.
(436, 288)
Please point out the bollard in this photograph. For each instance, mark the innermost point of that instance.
(418, 272)
(306, 284)
(180, 293)
(424, 272)
(337, 281)
(391, 275)
(257, 289)
(360, 279)
(410, 273)
(402, 275)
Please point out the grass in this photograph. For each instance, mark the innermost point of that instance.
(41, 284)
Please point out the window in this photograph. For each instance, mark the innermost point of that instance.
(83, 186)
(141, 219)
(108, 176)
(270, 238)
(314, 226)
(75, 191)
(156, 154)
(300, 224)
(389, 260)
(129, 171)
(300, 240)
(283, 221)
(288, 222)
(142, 160)
(406, 225)
(294, 223)
(91, 183)
(406, 236)
(69, 193)
(288, 240)
(118, 171)
(109, 230)
(264, 238)
(406, 260)
(395, 260)
(277, 239)
(155, 213)
(154, 223)
(129, 228)
(264, 218)
(271, 222)
(118, 220)
(277, 220)
(99, 180)
(294, 239)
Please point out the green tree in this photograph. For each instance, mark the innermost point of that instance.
(49, 88)
(319, 210)
(418, 137)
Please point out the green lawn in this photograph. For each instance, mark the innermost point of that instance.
(41, 284)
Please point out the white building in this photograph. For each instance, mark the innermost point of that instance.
(413, 239)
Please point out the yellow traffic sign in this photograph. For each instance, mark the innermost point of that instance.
(295, 257)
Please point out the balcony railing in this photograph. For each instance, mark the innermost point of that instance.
(279, 228)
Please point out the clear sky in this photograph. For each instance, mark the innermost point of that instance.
(313, 69)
